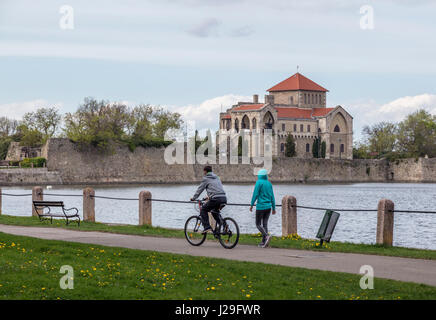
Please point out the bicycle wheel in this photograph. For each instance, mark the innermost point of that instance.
(193, 233)
(229, 233)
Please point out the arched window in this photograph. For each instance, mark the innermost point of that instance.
(332, 148)
(320, 99)
(254, 123)
(245, 123)
(305, 99)
(237, 125)
(342, 148)
(307, 147)
(283, 127)
(337, 129)
(301, 128)
(282, 147)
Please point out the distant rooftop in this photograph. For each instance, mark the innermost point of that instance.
(297, 82)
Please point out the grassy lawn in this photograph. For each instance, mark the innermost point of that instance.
(29, 269)
(291, 242)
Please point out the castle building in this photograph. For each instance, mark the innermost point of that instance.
(296, 106)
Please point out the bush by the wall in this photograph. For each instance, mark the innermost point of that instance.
(38, 162)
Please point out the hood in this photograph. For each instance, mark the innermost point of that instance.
(262, 174)
(211, 175)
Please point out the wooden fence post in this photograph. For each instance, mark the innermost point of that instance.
(385, 222)
(37, 195)
(289, 215)
(145, 208)
(88, 205)
(0, 201)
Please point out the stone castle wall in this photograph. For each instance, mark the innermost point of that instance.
(67, 164)
(35, 176)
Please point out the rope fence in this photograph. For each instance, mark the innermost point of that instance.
(228, 204)
(385, 210)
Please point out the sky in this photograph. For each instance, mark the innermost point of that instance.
(199, 57)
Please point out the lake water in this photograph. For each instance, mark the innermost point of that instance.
(411, 230)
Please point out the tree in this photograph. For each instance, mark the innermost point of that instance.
(100, 124)
(290, 146)
(8, 127)
(323, 149)
(381, 138)
(44, 120)
(30, 137)
(417, 134)
(315, 148)
(360, 151)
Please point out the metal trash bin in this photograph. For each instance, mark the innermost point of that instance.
(328, 225)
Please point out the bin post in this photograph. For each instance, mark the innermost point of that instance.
(289, 215)
(385, 222)
(145, 208)
(37, 195)
(88, 205)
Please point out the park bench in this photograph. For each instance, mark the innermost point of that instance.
(43, 209)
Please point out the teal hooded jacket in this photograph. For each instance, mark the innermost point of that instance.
(263, 194)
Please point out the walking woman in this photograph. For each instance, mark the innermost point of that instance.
(264, 196)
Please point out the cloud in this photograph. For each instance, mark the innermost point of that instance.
(243, 31)
(206, 114)
(211, 28)
(398, 109)
(207, 28)
(369, 112)
(16, 110)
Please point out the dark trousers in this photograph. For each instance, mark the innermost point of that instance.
(262, 217)
(212, 206)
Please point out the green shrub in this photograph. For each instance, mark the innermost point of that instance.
(38, 162)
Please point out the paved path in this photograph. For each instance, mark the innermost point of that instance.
(404, 269)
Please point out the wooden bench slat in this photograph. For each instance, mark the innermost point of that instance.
(49, 203)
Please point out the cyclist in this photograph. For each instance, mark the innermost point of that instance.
(264, 195)
(216, 196)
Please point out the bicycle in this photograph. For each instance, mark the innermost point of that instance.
(226, 230)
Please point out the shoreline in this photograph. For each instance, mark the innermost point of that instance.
(193, 183)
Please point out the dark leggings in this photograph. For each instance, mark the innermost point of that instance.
(262, 217)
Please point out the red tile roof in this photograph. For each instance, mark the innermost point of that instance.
(297, 82)
(226, 116)
(296, 113)
(300, 113)
(321, 112)
(248, 107)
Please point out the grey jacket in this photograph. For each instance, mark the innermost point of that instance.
(213, 186)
